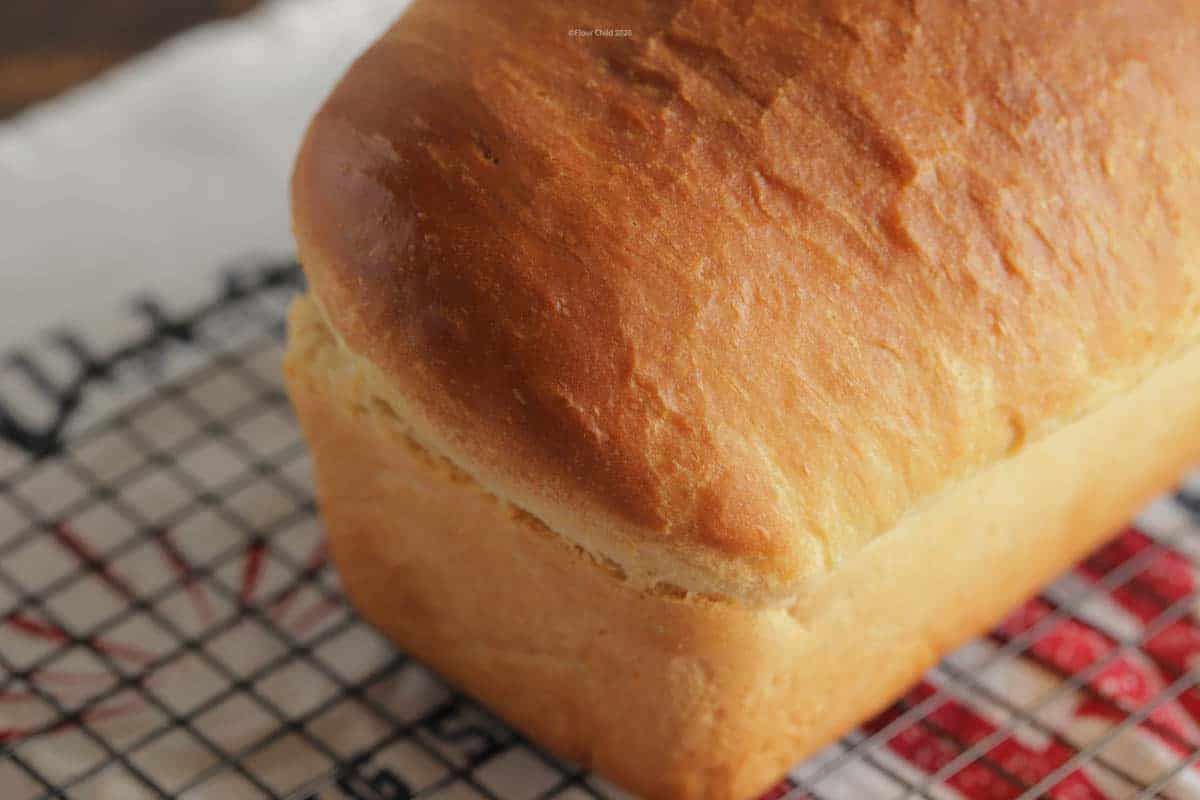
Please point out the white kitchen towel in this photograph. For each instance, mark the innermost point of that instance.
(167, 168)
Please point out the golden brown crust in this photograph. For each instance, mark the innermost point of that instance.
(680, 697)
(740, 291)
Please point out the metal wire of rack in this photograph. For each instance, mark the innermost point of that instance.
(169, 625)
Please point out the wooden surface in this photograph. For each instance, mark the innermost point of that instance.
(47, 46)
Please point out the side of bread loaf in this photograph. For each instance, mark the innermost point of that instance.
(724, 300)
(677, 696)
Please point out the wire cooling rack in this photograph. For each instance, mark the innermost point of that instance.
(169, 626)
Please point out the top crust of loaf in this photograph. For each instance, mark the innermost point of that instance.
(724, 299)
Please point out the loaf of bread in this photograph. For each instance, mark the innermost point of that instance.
(685, 389)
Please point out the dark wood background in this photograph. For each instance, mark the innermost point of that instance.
(47, 46)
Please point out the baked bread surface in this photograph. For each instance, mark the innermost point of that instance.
(724, 300)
